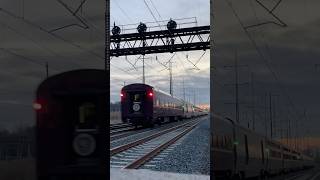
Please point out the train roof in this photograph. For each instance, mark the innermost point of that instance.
(147, 85)
(157, 90)
(75, 81)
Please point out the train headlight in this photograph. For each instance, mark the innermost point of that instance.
(84, 144)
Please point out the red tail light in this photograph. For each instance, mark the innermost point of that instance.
(37, 106)
(122, 95)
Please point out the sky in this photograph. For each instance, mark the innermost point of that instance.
(287, 68)
(282, 60)
(196, 82)
(26, 46)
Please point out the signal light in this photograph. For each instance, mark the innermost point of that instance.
(37, 106)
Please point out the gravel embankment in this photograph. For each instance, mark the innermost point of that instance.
(191, 155)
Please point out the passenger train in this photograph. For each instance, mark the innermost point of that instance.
(240, 153)
(142, 104)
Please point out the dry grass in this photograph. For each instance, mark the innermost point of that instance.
(115, 117)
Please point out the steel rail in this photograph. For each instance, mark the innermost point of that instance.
(142, 160)
(121, 148)
(120, 130)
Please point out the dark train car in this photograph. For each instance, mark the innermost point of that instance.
(71, 125)
(188, 110)
(241, 153)
(199, 112)
(142, 104)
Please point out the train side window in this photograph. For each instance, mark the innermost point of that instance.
(87, 115)
(246, 148)
(137, 97)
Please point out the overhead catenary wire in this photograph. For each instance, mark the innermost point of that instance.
(265, 60)
(24, 58)
(124, 12)
(32, 40)
(36, 26)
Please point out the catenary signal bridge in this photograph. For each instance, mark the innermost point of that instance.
(172, 39)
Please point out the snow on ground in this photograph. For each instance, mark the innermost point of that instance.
(143, 174)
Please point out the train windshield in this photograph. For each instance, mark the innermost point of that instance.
(87, 115)
(137, 97)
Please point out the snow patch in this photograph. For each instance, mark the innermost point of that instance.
(143, 174)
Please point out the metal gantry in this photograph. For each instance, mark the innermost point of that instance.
(161, 41)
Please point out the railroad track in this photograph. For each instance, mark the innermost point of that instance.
(135, 154)
(119, 125)
(120, 128)
(117, 136)
(124, 134)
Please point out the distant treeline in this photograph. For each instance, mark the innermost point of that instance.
(17, 145)
(115, 107)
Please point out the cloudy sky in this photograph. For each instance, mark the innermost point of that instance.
(26, 46)
(282, 60)
(196, 81)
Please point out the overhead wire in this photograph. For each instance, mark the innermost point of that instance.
(9, 13)
(24, 57)
(124, 12)
(30, 39)
(273, 72)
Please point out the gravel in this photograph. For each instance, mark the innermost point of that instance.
(190, 154)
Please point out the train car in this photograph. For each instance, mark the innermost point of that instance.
(71, 125)
(142, 104)
(199, 112)
(240, 153)
(188, 110)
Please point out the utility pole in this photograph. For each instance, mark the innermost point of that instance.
(265, 114)
(184, 90)
(170, 72)
(236, 74)
(143, 68)
(270, 111)
(47, 69)
(276, 115)
(237, 86)
(194, 97)
(289, 130)
(143, 75)
(252, 103)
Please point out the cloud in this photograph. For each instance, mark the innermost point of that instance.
(285, 66)
(25, 49)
